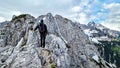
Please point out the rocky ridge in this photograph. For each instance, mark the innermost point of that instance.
(67, 46)
(99, 32)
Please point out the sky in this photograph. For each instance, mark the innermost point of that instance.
(105, 12)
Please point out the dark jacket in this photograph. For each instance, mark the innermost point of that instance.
(39, 28)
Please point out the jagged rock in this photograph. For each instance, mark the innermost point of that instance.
(24, 59)
(62, 33)
(2, 43)
(104, 38)
(19, 28)
(59, 51)
(13, 16)
(99, 31)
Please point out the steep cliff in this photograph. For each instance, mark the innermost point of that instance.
(67, 46)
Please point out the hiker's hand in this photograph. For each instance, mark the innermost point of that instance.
(31, 29)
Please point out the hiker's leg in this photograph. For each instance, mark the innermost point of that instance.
(41, 39)
(44, 37)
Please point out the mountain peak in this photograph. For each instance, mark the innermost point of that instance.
(22, 16)
(67, 46)
(92, 23)
(49, 14)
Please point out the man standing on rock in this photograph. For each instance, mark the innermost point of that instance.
(43, 32)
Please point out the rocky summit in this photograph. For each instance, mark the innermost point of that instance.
(67, 46)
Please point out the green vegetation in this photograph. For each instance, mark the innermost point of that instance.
(53, 65)
(50, 61)
(23, 44)
(116, 50)
(112, 52)
(119, 39)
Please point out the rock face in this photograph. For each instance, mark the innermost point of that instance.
(104, 39)
(99, 32)
(67, 46)
(3, 33)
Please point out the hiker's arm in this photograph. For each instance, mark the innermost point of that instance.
(36, 27)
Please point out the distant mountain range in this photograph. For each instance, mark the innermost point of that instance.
(99, 32)
(3, 24)
(105, 39)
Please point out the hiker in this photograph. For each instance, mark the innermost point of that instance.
(43, 32)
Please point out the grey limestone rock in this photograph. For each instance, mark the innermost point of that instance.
(67, 46)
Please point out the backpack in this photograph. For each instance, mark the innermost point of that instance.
(42, 27)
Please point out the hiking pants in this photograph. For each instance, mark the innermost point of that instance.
(43, 37)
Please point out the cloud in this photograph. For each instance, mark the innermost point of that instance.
(108, 14)
(16, 13)
(7, 14)
(34, 7)
(113, 26)
(2, 19)
(76, 9)
(111, 5)
(113, 17)
(77, 14)
(81, 17)
(83, 11)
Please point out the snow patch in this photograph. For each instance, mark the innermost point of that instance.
(95, 40)
(96, 58)
(94, 31)
(87, 32)
(104, 37)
